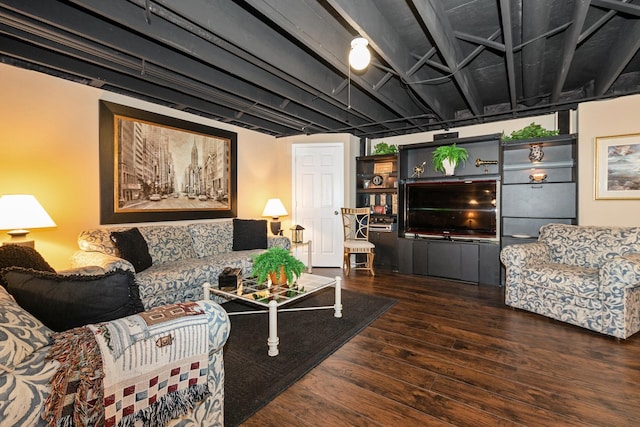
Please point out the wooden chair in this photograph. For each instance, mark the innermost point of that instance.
(355, 222)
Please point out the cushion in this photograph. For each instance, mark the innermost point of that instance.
(212, 238)
(132, 247)
(21, 334)
(168, 243)
(22, 256)
(249, 234)
(63, 302)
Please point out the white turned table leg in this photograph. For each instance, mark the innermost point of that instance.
(273, 339)
(338, 298)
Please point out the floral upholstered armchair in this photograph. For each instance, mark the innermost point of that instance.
(585, 275)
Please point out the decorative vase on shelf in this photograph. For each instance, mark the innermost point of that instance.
(449, 167)
(535, 153)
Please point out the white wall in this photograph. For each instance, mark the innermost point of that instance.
(548, 121)
(619, 116)
(49, 143)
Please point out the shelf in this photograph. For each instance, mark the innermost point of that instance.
(541, 165)
(527, 183)
(377, 190)
(547, 141)
(371, 174)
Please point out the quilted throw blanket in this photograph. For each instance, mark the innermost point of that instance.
(140, 368)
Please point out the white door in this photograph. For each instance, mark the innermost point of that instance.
(318, 195)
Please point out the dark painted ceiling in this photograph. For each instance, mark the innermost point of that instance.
(280, 66)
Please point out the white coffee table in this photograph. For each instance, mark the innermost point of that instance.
(261, 295)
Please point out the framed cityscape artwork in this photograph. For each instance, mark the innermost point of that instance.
(159, 168)
(618, 167)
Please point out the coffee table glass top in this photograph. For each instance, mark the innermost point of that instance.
(263, 293)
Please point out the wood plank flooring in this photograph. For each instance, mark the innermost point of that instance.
(453, 354)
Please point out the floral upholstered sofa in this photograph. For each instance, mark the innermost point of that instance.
(146, 375)
(183, 257)
(585, 275)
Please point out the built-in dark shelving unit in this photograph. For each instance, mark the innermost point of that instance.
(528, 203)
(523, 205)
(463, 258)
(377, 188)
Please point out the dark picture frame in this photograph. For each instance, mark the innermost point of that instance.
(159, 168)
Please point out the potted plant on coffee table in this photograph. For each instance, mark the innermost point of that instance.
(277, 264)
(447, 157)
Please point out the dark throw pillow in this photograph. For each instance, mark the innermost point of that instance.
(64, 302)
(132, 247)
(22, 256)
(249, 234)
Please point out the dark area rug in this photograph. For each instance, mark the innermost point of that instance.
(252, 378)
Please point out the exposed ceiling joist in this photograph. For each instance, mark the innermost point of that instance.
(580, 9)
(373, 25)
(280, 66)
(620, 55)
(505, 18)
(618, 6)
(432, 14)
(309, 25)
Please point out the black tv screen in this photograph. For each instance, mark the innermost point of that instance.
(452, 208)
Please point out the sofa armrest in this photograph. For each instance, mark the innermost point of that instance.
(620, 272)
(171, 356)
(219, 324)
(279, 241)
(515, 258)
(520, 255)
(108, 263)
(620, 287)
(129, 329)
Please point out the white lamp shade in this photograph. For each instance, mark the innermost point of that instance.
(274, 209)
(359, 56)
(22, 211)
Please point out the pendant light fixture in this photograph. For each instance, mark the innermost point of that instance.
(359, 56)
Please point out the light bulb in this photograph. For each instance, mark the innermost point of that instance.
(359, 56)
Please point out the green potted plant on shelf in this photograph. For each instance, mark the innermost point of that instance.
(447, 157)
(384, 148)
(277, 264)
(534, 130)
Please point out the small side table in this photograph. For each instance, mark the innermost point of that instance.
(308, 245)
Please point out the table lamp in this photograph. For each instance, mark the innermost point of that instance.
(19, 212)
(274, 209)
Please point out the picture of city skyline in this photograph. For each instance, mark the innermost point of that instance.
(160, 168)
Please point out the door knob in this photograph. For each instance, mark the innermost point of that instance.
(335, 212)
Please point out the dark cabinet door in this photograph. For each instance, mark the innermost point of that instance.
(489, 264)
(420, 257)
(454, 260)
(444, 260)
(552, 200)
(405, 256)
(386, 249)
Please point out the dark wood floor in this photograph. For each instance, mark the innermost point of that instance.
(454, 354)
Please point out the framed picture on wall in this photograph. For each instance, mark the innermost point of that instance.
(617, 167)
(159, 168)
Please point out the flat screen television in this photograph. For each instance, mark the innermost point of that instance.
(463, 209)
